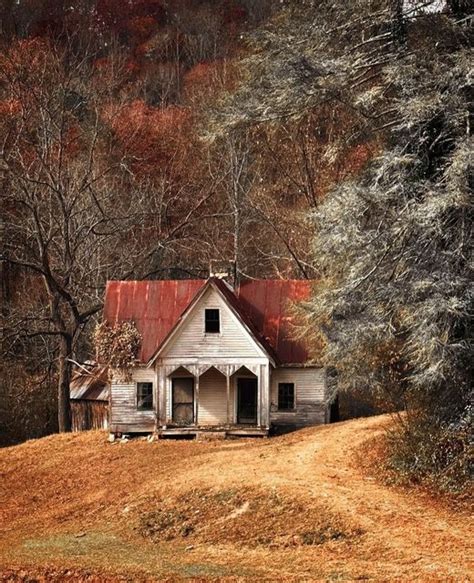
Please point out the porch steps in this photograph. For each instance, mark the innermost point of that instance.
(208, 434)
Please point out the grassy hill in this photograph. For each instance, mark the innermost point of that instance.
(298, 507)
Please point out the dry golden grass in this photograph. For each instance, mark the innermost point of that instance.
(293, 508)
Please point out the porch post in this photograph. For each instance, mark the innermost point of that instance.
(265, 394)
(196, 399)
(156, 396)
(259, 396)
(162, 389)
(227, 378)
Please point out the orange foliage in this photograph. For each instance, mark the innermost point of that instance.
(30, 54)
(151, 134)
(73, 142)
(199, 78)
(141, 28)
(208, 77)
(357, 157)
(102, 64)
(10, 108)
(132, 67)
(137, 17)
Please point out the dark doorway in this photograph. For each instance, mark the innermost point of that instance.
(247, 401)
(183, 400)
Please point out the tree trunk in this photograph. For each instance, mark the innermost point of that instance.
(398, 24)
(458, 7)
(65, 369)
(236, 242)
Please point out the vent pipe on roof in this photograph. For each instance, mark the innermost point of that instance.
(223, 270)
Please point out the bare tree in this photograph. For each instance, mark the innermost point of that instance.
(75, 214)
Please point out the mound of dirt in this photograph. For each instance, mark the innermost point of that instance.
(244, 517)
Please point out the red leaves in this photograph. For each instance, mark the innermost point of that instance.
(137, 17)
(9, 108)
(208, 78)
(358, 157)
(27, 56)
(199, 80)
(151, 134)
(141, 28)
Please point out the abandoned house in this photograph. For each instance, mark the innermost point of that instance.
(214, 358)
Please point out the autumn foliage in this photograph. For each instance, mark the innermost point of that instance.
(149, 133)
(104, 116)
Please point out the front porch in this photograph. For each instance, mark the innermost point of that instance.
(224, 398)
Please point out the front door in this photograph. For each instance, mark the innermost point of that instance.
(247, 401)
(183, 400)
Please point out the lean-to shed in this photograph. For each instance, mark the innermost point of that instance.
(90, 397)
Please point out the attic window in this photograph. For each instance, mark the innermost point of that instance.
(212, 323)
(144, 396)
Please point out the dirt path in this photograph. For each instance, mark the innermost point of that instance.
(403, 531)
(405, 537)
(401, 528)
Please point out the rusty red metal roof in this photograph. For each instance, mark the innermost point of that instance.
(154, 306)
(269, 303)
(263, 305)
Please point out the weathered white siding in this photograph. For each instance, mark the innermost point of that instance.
(190, 341)
(310, 386)
(124, 415)
(213, 399)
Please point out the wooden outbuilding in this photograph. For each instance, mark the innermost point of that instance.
(89, 394)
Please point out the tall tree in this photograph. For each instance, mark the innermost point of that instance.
(75, 213)
(391, 243)
(394, 247)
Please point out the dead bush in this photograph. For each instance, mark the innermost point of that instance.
(437, 455)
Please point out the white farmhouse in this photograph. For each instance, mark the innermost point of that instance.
(214, 358)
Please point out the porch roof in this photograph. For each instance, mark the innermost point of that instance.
(90, 382)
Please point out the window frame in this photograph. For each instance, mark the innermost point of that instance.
(138, 385)
(218, 320)
(293, 408)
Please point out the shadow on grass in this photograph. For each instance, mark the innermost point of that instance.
(108, 553)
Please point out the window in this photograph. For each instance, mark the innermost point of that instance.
(212, 322)
(286, 396)
(144, 396)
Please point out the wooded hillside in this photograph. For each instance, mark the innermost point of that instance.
(314, 139)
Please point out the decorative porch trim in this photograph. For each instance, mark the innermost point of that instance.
(164, 375)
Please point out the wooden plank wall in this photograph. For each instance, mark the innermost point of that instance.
(191, 341)
(310, 396)
(124, 402)
(89, 414)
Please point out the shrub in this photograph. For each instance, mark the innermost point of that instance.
(117, 346)
(433, 453)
